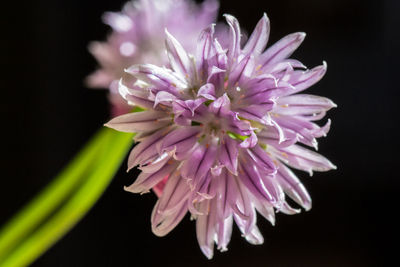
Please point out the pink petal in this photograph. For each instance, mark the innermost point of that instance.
(303, 105)
(205, 228)
(178, 58)
(304, 159)
(139, 121)
(259, 38)
(235, 36)
(162, 224)
(145, 150)
(207, 91)
(293, 187)
(181, 141)
(228, 154)
(146, 181)
(302, 80)
(175, 193)
(282, 49)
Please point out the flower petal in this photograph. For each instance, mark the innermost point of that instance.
(180, 140)
(161, 78)
(139, 121)
(251, 178)
(204, 45)
(304, 159)
(162, 224)
(293, 187)
(176, 192)
(205, 228)
(265, 209)
(199, 163)
(303, 105)
(241, 72)
(282, 49)
(228, 154)
(259, 38)
(302, 80)
(145, 150)
(158, 162)
(146, 181)
(260, 157)
(272, 136)
(235, 36)
(207, 91)
(224, 232)
(164, 98)
(178, 58)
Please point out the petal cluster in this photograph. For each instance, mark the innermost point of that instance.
(138, 37)
(221, 128)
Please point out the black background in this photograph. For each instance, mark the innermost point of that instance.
(48, 114)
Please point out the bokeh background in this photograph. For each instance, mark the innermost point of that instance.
(48, 114)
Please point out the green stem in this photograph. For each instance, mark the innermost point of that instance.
(112, 151)
(50, 198)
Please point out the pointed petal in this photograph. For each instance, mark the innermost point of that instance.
(304, 159)
(303, 105)
(164, 98)
(305, 130)
(200, 162)
(252, 235)
(229, 154)
(178, 58)
(146, 181)
(265, 209)
(259, 38)
(181, 140)
(162, 224)
(224, 233)
(249, 142)
(282, 49)
(176, 191)
(139, 121)
(251, 178)
(287, 209)
(205, 228)
(234, 36)
(241, 72)
(293, 187)
(207, 91)
(204, 45)
(271, 136)
(161, 78)
(302, 80)
(146, 149)
(221, 106)
(262, 159)
(158, 162)
(237, 196)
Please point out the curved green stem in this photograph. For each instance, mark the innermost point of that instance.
(51, 197)
(110, 153)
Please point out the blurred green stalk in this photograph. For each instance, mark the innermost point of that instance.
(65, 201)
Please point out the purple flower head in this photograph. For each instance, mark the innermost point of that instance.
(220, 130)
(138, 37)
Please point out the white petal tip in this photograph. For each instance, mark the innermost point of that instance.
(127, 189)
(208, 252)
(301, 35)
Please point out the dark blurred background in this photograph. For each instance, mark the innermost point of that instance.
(48, 114)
